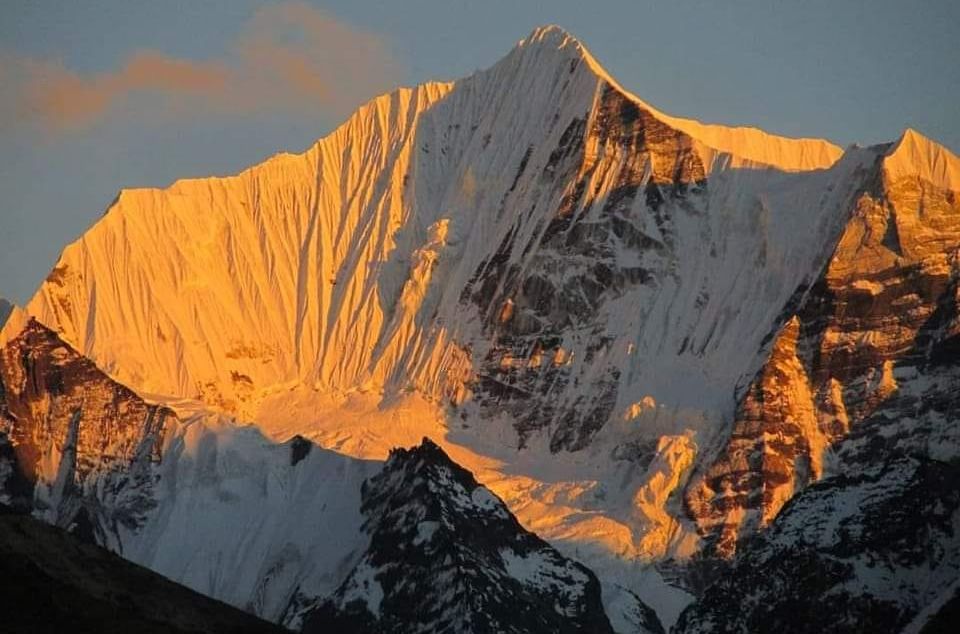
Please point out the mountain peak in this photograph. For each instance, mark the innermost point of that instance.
(429, 518)
(915, 155)
(552, 34)
(554, 37)
(552, 44)
(427, 452)
(12, 320)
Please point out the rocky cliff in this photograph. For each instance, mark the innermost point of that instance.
(866, 352)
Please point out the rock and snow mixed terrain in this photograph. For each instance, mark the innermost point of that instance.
(446, 555)
(291, 532)
(203, 501)
(673, 350)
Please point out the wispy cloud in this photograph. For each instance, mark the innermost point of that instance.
(290, 57)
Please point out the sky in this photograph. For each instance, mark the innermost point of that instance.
(96, 96)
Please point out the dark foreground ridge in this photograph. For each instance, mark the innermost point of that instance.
(53, 582)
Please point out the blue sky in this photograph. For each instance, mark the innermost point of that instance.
(95, 96)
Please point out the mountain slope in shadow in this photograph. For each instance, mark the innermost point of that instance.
(56, 583)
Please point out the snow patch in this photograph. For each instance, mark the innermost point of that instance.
(365, 587)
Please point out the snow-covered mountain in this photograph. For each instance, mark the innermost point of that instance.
(530, 256)
(649, 337)
(531, 220)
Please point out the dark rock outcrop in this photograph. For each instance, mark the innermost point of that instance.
(446, 555)
(76, 447)
(544, 298)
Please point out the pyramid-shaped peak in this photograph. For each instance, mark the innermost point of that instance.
(13, 319)
(550, 35)
(911, 139)
(554, 42)
(916, 155)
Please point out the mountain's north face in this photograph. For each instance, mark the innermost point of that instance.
(678, 352)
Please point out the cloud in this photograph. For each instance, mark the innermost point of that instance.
(289, 58)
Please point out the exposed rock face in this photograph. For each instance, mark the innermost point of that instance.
(862, 345)
(446, 555)
(542, 298)
(883, 548)
(78, 447)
